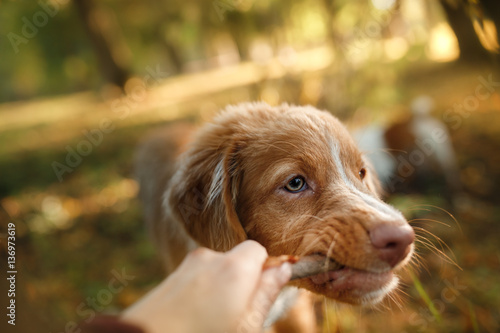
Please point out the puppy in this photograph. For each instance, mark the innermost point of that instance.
(289, 177)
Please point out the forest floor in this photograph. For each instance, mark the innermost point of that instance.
(76, 226)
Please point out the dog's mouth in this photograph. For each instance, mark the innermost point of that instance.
(313, 265)
(335, 278)
(349, 278)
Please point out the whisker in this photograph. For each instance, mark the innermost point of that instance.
(430, 220)
(418, 262)
(437, 251)
(438, 239)
(441, 243)
(327, 314)
(287, 238)
(395, 299)
(384, 305)
(414, 262)
(332, 244)
(442, 210)
(389, 150)
(414, 208)
(401, 291)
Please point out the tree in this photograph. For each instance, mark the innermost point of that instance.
(462, 25)
(461, 15)
(101, 37)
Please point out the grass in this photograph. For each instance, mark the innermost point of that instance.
(423, 294)
(72, 234)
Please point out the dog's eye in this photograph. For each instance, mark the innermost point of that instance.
(362, 173)
(295, 185)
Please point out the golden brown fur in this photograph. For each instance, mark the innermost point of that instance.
(230, 185)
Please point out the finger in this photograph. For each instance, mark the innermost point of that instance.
(197, 262)
(244, 263)
(270, 285)
(238, 274)
(249, 251)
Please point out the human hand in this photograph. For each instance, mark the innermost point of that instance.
(213, 292)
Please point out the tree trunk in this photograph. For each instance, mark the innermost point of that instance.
(470, 47)
(99, 34)
(492, 9)
(174, 56)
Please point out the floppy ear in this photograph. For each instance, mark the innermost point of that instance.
(202, 194)
(371, 179)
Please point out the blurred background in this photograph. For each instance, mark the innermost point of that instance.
(83, 81)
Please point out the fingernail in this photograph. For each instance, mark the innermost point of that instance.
(284, 272)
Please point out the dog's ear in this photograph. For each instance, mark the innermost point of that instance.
(202, 194)
(371, 180)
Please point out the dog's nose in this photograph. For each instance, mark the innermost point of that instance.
(392, 242)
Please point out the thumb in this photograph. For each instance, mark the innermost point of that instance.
(271, 282)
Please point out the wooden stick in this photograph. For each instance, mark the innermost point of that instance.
(305, 266)
(312, 265)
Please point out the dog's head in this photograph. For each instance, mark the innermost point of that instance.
(292, 179)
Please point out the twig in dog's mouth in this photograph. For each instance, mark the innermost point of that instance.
(306, 266)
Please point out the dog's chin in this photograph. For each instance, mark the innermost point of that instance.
(350, 285)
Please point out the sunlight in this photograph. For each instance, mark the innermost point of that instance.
(395, 48)
(487, 35)
(383, 4)
(270, 95)
(73, 113)
(260, 51)
(54, 211)
(443, 45)
(314, 59)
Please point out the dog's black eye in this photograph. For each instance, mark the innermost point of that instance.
(362, 173)
(295, 185)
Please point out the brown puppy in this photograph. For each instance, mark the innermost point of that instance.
(288, 177)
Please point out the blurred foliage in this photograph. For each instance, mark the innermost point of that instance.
(361, 62)
(53, 53)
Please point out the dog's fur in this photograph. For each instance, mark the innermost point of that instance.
(229, 185)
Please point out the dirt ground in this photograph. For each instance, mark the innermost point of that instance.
(76, 231)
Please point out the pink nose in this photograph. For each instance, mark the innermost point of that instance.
(392, 242)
